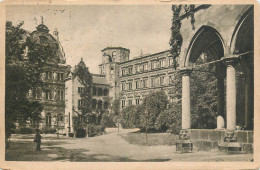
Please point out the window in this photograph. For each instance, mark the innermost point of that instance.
(94, 103)
(79, 104)
(38, 94)
(130, 86)
(94, 91)
(123, 72)
(106, 92)
(161, 63)
(161, 80)
(153, 65)
(48, 120)
(61, 95)
(137, 101)
(112, 70)
(123, 86)
(105, 105)
(137, 68)
(137, 82)
(130, 70)
(123, 104)
(145, 83)
(170, 61)
(100, 92)
(60, 76)
(153, 82)
(129, 102)
(145, 67)
(170, 79)
(60, 117)
(47, 95)
(81, 90)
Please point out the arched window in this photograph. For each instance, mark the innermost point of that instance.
(48, 120)
(100, 92)
(106, 92)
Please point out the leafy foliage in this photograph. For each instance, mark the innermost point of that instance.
(85, 78)
(130, 116)
(155, 103)
(22, 75)
(107, 120)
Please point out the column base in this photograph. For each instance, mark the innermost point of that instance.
(230, 144)
(184, 144)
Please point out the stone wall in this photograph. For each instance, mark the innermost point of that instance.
(206, 139)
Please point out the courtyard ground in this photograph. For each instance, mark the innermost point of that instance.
(124, 146)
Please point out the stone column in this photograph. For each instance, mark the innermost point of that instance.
(186, 123)
(231, 92)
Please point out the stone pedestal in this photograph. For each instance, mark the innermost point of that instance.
(184, 144)
(230, 144)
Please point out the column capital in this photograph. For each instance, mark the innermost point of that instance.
(230, 60)
(185, 71)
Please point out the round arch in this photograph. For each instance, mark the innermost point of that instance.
(242, 44)
(205, 39)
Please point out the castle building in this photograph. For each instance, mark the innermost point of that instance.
(53, 74)
(100, 99)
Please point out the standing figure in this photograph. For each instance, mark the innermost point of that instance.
(37, 139)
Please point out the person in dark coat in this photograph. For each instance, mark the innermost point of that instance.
(37, 139)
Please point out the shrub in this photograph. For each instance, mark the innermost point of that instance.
(25, 131)
(48, 130)
(107, 120)
(94, 130)
(80, 133)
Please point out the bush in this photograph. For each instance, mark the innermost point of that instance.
(107, 120)
(94, 130)
(131, 116)
(48, 130)
(25, 131)
(80, 133)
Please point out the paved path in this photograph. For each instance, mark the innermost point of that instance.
(112, 147)
(112, 144)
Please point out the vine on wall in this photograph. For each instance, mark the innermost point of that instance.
(85, 78)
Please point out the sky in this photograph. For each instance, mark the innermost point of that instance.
(87, 29)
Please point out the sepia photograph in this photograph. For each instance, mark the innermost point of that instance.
(129, 83)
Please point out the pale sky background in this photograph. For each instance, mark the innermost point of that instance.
(85, 30)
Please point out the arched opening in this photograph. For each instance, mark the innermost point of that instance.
(242, 44)
(207, 80)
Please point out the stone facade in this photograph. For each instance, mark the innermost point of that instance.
(53, 74)
(100, 99)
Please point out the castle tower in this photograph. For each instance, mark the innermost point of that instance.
(111, 59)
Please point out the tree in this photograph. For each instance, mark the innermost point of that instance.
(22, 76)
(85, 78)
(130, 117)
(154, 104)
